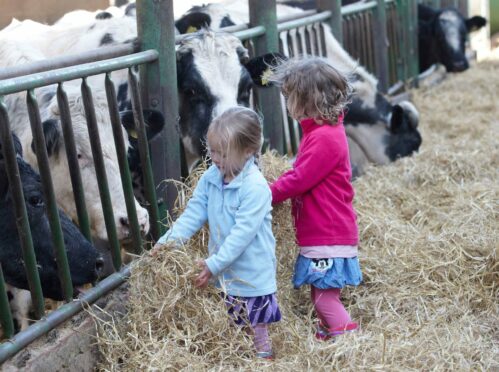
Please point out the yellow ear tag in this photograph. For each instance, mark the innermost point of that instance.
(266, 76)
(133, 133)
(191, 29)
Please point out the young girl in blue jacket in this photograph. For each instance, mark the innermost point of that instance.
(235, 199)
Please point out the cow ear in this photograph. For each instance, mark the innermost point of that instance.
(153, 119)
(475, 23)
(52, 137)
(398, 123)
(260, 68)
(193, 22)
(155, 122)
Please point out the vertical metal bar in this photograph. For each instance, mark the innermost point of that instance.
(20, 213)
(263, 12)
(5, 314)
(413, 41)
(381, 46)
(121, 152)
(48, 191)
(336, 19)
(155, 25)
(74, 167)
(145, 159)
(404, 55)
(100, 170)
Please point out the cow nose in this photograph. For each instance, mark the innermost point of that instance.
(460, 66)
(124, 221)
(99, 265)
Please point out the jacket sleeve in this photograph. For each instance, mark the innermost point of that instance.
(192, 219)
(255, 205)
(317, 160)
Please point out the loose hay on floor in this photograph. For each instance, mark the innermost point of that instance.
(429, 237)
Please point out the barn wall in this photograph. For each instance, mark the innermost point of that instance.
(46, 11)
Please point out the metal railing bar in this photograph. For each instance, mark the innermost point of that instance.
(74, 167)
(65, 312)
(250, 33)
(6, 315)
(67, 61)
(48, 191)
(304, 21)
(100, 171)
(145, 158)
(121, 152)
(22, 222)
(357, 8)
(75, 72)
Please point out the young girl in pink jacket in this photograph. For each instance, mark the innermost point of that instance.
(320, 189)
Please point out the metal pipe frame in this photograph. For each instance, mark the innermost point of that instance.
(65, 312)
(32, 81)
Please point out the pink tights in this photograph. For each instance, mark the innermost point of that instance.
(329, 308)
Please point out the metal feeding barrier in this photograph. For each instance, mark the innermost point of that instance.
(381, 34)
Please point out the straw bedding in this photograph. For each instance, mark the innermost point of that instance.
(429, 236)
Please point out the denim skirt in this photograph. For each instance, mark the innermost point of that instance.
(324, 273)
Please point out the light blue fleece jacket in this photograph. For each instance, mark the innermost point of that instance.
(241, 246)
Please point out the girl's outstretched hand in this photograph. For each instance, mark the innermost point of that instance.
(204, 276)
(155, 250)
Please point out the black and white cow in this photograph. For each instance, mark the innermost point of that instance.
(442, 36)
(14, 53)
(211, 69)
(84, 262)
(390, 131)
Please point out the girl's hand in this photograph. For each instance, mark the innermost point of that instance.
(204, 276)
(155, 250)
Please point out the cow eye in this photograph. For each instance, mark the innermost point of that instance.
(36, 201)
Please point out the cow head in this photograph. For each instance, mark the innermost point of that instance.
(213, 76)
(442, 37)
(60, 171)
(84, 263)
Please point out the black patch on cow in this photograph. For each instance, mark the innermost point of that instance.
(358, 112)
(106, 39)
(244, 88)
(404, 139)
(226, 22)
(197, 20)
(196, 102)
(122, 96)
(52, 137)
(103, 15)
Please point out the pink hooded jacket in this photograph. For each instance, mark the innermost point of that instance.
(320, 188)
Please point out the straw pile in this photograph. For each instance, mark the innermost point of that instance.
(429, 236)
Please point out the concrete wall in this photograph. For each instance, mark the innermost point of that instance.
(46, 11)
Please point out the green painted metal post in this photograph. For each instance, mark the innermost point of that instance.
(404, 55)
(159, 91)
(413, 42)
(263, 12)
(381, 46)
(335, 22)
(5, 314)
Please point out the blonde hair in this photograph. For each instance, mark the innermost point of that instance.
(313, 88)
(237, 132)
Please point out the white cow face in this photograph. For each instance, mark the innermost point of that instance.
(60, 170)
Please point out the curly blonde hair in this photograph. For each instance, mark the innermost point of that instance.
(313, 88)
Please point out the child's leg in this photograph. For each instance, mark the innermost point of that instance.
(329, 308)
(261, 339)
